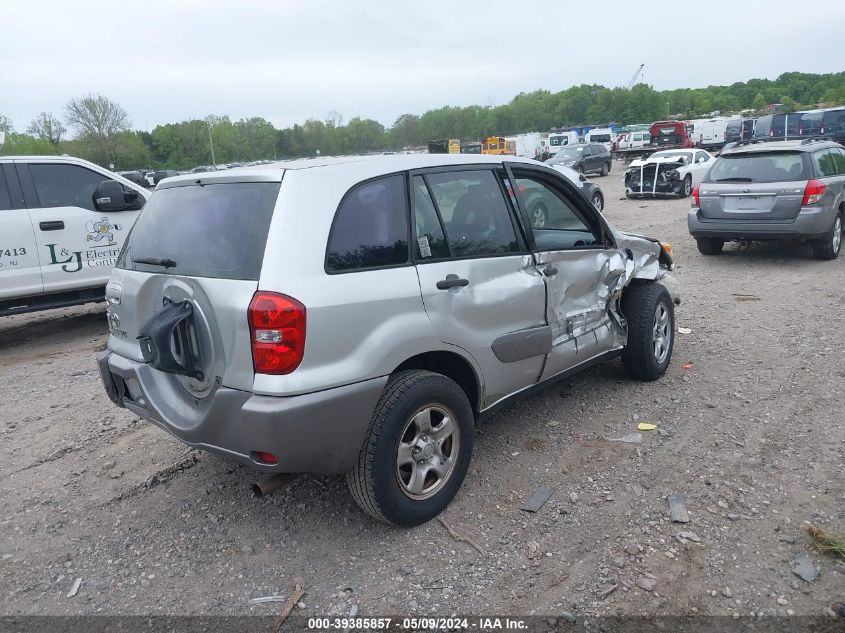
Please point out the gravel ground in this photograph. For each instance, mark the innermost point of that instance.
(749, 430)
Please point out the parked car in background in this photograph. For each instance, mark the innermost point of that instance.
(589, 157)
(833, 125)
(711, 134)
(738, 129)
(149, 177)
(780, 190)
(135, 176)
(602, 135)
(63, 222)
(257, 342)
(162, 174)
(634, 140)
(666, 173)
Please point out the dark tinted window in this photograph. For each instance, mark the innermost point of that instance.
(760, 167)
(825, 163)
(833, 121)
(65, 185)
(765, 124)
(215, 230)
(5, 198)
(474, 212)
(371, 227)
(431, 243)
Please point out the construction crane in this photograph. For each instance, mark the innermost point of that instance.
(634, 78)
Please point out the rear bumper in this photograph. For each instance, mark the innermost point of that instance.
(809, 225)
(319, 432)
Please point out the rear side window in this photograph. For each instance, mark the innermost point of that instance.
(760, 167)
(5, 198)
(839, 160)
(213, 230)
(65, 185)
(825, 163)
(431, 242)
(370, 229)
(474, 212)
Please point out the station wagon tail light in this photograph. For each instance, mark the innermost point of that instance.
(813, 192)
(696, 200)
(277, 328)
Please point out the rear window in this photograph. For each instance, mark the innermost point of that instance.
(213, 230)
(760, 167)
(600, 138)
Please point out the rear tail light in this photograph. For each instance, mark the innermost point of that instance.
(696, 201)
(277, 327)
(813, 192)
(772, 132)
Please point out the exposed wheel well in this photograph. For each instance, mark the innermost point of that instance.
(451, 365)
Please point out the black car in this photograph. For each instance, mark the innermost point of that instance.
(587, 157)
(135, 176)
(164, 173)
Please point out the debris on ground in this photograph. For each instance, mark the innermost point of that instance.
(646, 426)
(630, 438)
(460, 537)
(290, 603)
(684, 330)
(738, 297)
(804, 568)
(685, 537)
(264, 599)
(827, 542)
(647, 582)
(678, 509)
(540, 496)
(74, 589)
(687, 366)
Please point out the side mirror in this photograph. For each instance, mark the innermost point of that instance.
(110, 196)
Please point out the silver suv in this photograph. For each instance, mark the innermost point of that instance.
(772, 190)
(359, 315)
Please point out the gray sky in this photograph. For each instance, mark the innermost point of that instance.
(290, 60)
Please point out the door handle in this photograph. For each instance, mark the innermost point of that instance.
(54, 225)
(548, 271)
(452, 281)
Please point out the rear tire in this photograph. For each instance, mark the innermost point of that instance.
(650, 314)
(829, 246)
(383, 481)
(710, 245)
(598, 202)
(686, 191)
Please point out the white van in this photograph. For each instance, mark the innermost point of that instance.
(528, 145)
(561, 139)
(603, 135)
(635, 140)
(63, 222)
(710, 133)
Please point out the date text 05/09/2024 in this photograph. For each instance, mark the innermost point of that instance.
(418, 624)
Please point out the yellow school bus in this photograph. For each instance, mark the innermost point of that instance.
(497, 146)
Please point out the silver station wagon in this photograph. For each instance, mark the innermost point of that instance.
(359, 315)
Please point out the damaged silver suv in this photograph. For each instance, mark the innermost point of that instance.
(359, 315)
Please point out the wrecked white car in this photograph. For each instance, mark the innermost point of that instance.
(670, 173)
(367, 335)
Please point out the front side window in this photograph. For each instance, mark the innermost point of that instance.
(5, 198)
(65, 185)
(701, 157)
(825, 163)
(370, 229)
(554, 221)
(474, 213)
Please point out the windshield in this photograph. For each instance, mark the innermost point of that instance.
(567, 153)
(760, 167)
(213, 230)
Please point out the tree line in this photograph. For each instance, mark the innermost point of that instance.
(98, 129)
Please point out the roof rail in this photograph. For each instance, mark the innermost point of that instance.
(816, 138)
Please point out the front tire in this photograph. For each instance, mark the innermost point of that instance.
(598, 202)
(829, 246)
(650, 314)
(417, 452)
(687, 187)
(710, 245)
(605, 169)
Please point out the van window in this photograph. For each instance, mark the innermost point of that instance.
(833, 122)
(5, 198)
(65, 185)
(214, 230)
(371, 227)
(474, 212)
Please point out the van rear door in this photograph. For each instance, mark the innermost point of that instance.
(198, 247)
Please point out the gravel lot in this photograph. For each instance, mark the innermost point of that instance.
(749, 431)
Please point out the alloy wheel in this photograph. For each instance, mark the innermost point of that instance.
(662, 336)
(427, 452)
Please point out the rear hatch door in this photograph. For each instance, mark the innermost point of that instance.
(182, 286)
(755, 186)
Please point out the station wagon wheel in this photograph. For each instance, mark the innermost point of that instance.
(417, 450)
(539, 216)
(598, 201)
(828, 247)
(427, 450)
(649, 313)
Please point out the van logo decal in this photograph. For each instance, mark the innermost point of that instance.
(100, 230)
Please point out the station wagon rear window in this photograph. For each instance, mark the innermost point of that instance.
(760, 167)
(212, 230)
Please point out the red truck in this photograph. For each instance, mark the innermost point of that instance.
(664, 135)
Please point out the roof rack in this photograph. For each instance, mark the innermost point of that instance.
(817, 138)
